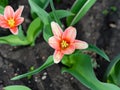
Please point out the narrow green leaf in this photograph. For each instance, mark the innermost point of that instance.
(13, 40)
(54, 13)
(61, 13)
(79, 8)
(98, 51)
(47, 32)
(41, 3)
(3, 3)
(81, 69)
(48, 63)
(1, 10)
(44, 16)
(21, 33)
(112, 74)
(16, 87)
(34, 30)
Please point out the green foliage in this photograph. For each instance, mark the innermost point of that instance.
(113, 72)
(47, 32)
(98, 51)
(81, 68)
(113, 8)
(34, 30)
(61, 13)
(105, 12)
(16, 87)
(13, 40)
(42, 14)
(79, 8)
(48, 63)
(41, 3)
(3, 3)
(1, 10)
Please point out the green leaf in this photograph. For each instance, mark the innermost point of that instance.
(112, 74)
(48, 63)
(47, 32)
(34, 29)
(13, 40)
(98, 51)
(61, 13)
(81, 69)
(44, 16)
(41, 3)
(3, 3)
(21, 33)
(16, 87)
(79, 8)
(1, 10)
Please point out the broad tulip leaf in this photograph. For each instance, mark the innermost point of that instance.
(13, 40)
(113, 72)
(41, 3)
(47, 32)
(34, 30)
(81, 69)
(61, 13)
(48, 63)
(16, 87)
(1, 9)
(98, 51)
(21, 33)
(3, 3)
(79, 8)
(42, 14)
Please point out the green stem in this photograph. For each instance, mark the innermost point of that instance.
(55, 16)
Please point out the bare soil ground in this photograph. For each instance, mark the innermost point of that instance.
(95, 28)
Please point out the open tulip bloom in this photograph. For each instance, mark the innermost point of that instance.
(11, 19)
(64, 42)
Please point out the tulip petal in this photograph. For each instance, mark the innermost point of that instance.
(69, 50)
(56, 29)
(9, 12)
(1, 17)
(54, 43)
(80, 44)
(69, 34)
(57, 56)
(3, 22)
(18, 12)
(14, 30)
(18, 21)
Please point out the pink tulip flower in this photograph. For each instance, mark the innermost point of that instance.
(11, 19)
(64, 42)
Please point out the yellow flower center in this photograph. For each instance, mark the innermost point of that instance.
(64, 44)
(11, 22)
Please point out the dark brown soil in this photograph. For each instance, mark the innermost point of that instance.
(95, 28)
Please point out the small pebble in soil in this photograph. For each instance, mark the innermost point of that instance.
(51, 85)
(43, 57)
(71, 78)
(44, 77)
(112, 25)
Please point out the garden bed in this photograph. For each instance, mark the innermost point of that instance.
(97, 27)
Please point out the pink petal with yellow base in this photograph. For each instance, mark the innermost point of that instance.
(64, 42)
(57, 56)
(11, 19)
(69, 34)
(56, 29)
(80, 44)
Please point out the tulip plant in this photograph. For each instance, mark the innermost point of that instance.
(69, 51)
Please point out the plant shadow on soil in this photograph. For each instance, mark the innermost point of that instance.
(95, 28)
